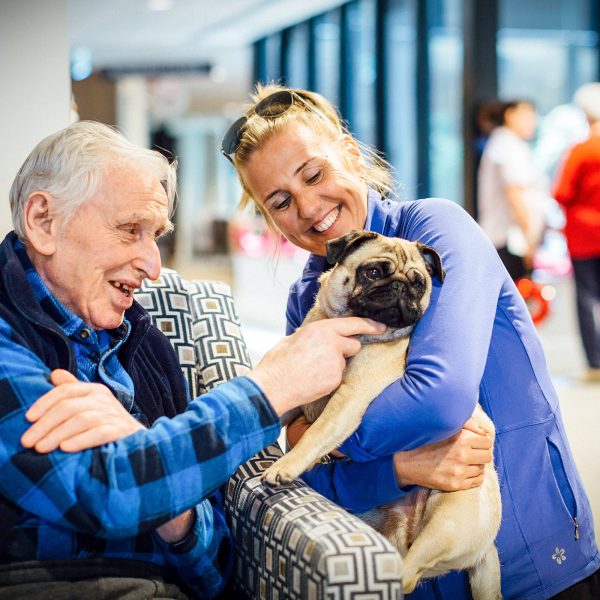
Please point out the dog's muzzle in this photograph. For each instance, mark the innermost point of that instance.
(397, 304)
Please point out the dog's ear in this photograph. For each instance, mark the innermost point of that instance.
(339, 247)
(433, 260)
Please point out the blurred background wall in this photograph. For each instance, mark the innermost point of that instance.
(35, 83)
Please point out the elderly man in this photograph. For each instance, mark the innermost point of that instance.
(79, 358)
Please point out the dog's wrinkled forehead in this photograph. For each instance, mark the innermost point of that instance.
(403, 254)
(361, 246)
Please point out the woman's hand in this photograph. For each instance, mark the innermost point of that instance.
(450, 465)
(76, 415)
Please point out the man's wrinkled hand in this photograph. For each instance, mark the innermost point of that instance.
(308, 364)
(76, 415)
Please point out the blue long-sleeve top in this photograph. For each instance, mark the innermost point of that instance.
(475, 343)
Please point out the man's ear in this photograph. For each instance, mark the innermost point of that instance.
(40, 223)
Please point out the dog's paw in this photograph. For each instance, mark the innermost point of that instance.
(409, 583)
(280, 473)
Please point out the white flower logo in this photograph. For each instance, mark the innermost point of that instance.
(559, 555)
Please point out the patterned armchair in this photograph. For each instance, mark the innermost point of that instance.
(291, 542)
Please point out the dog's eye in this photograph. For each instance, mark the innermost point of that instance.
(373, 273)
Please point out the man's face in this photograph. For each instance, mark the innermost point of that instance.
(105, 251)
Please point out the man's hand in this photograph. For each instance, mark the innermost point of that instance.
(308, 364)
(76, 415)
(450, 465)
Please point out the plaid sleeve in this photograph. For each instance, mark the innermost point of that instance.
(204, 559)
(131, 486)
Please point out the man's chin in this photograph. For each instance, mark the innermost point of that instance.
(106, 321)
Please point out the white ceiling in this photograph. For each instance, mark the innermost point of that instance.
(126, 32)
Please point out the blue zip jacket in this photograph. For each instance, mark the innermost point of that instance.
(475, 343)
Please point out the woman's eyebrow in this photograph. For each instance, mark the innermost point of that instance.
(303, 165)
(298, 169)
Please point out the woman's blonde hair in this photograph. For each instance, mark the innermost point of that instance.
(318, 114)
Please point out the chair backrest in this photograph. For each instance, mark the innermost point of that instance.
(200, 320)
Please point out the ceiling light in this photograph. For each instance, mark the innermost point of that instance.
(160, 5)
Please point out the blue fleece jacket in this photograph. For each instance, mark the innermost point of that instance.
(475, 343)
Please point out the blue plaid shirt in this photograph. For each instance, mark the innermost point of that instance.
(107, 501)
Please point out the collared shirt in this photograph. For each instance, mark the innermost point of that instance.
(107, 501)
(96, 352)
(508, 161)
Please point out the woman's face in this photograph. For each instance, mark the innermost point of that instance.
(310, 186)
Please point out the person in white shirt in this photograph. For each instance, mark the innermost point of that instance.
(512, 189)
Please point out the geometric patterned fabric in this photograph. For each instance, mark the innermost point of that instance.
(199, 319)
(297, 545)
(291, 542)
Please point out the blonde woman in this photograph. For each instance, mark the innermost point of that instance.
(302, 169)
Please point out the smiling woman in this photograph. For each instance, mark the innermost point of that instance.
(313, 182)
(317, 185)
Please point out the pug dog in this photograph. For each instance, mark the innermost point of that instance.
(390, 280)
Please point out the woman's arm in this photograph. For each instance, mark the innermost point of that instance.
(566, 180)
(455, 463)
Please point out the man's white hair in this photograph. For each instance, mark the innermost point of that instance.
(587, 98)
(70, 164)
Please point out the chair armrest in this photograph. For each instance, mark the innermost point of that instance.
(293, 543)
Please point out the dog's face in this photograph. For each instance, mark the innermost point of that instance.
(385, 279)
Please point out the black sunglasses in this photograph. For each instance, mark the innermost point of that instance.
(271, 107)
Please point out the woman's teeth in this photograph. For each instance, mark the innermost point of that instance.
(328, 221)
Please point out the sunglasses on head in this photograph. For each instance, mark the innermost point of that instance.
(271, 107)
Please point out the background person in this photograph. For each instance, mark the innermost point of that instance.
(137, 517)
(512, 190)
(577, 189)
(476, 343)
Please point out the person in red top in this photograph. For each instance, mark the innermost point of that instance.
(577, 189)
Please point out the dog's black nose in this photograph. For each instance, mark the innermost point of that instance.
(399, 288)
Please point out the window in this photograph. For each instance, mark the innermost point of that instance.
(361, 70)
(532, 36)
(446, 81)
(297, 56)
(327, 55)
(400, 102)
